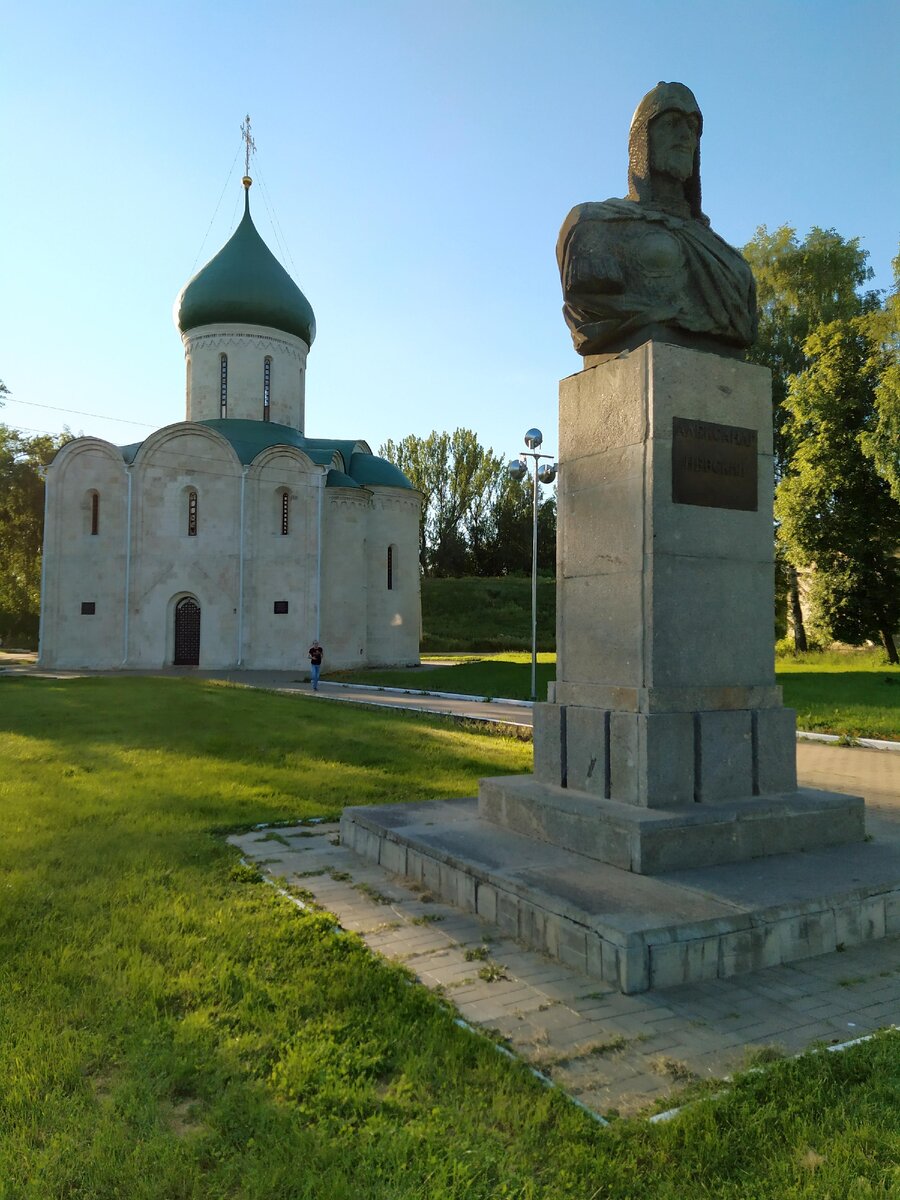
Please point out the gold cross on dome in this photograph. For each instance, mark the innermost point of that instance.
(250, 146)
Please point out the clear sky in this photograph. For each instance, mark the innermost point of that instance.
(419, 158)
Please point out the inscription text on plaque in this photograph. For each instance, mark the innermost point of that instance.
(713, 465)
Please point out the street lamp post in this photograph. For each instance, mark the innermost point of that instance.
(518, 469)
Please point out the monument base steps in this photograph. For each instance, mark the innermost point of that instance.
(651, 840)
(641, 931)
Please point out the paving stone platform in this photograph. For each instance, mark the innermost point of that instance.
(635, 931)
(611, 1051)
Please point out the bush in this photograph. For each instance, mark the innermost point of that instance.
(784, 647)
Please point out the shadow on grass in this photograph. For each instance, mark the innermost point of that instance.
(281, 750)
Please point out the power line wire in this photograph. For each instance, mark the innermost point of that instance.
(276, 226)
(77, 412)
(215, 212)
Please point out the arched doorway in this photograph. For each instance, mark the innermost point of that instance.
(187, 633)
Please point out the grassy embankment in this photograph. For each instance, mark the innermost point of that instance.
(486, 614)
(170, 1029)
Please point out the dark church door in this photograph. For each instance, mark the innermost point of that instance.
(187, 633)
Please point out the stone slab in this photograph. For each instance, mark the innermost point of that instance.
(635, 931)
(587, 760)
(651, 758)
(665, 699)
(775, 749)
(724, 752)
(652, 840)
(549, 733)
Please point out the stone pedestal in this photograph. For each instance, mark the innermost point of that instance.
(662, 837)
(665, 695)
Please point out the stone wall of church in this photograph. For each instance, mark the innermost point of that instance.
(83, 594)
(270, 556)
(392, 565)
(245, 349)
(175, 555)
(283, 489)
(344, 594)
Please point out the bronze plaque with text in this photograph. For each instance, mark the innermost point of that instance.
(713, 465)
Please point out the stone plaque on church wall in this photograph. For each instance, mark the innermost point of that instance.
(713, 465)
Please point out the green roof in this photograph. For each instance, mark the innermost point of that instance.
(249, 439)
(339, 479)
(245, 284)
(372, 471)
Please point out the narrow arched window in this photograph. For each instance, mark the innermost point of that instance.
(223, 385)
(192, 513)
(285, 512)
(95, 512)
(267, 387)
(390, 568)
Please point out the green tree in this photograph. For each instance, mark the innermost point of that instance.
(836, 510)
(509, 536)
(508, 545)
(800, 286)
(547, 534)
(22, 460)
(458, 479)
(882, 441)
(414, 458)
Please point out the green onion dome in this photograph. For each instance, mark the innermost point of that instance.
(245, 284)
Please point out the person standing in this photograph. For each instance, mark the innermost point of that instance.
(315, 664)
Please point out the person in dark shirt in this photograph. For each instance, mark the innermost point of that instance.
(315, 664)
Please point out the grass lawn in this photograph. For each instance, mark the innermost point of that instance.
(850, 692)
(170, 1028)
(853, 693)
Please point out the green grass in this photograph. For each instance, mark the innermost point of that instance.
(171, 1028)
(853, 693)
(506, 675)
(486, 614)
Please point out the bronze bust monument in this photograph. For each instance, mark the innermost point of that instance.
(650, 266)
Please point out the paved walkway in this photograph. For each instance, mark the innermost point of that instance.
(608, 1050)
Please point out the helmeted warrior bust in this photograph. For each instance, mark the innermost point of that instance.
(649, 266)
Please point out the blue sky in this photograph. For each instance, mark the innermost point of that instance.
(419, 159)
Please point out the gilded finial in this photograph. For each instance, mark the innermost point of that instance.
(249, 148)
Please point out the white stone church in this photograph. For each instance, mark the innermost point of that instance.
(231, 539)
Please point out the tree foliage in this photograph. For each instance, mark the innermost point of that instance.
(803, 288)
(837, 514)
(882, 440)
(476, 519)
(22, 460)
(799, 286)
